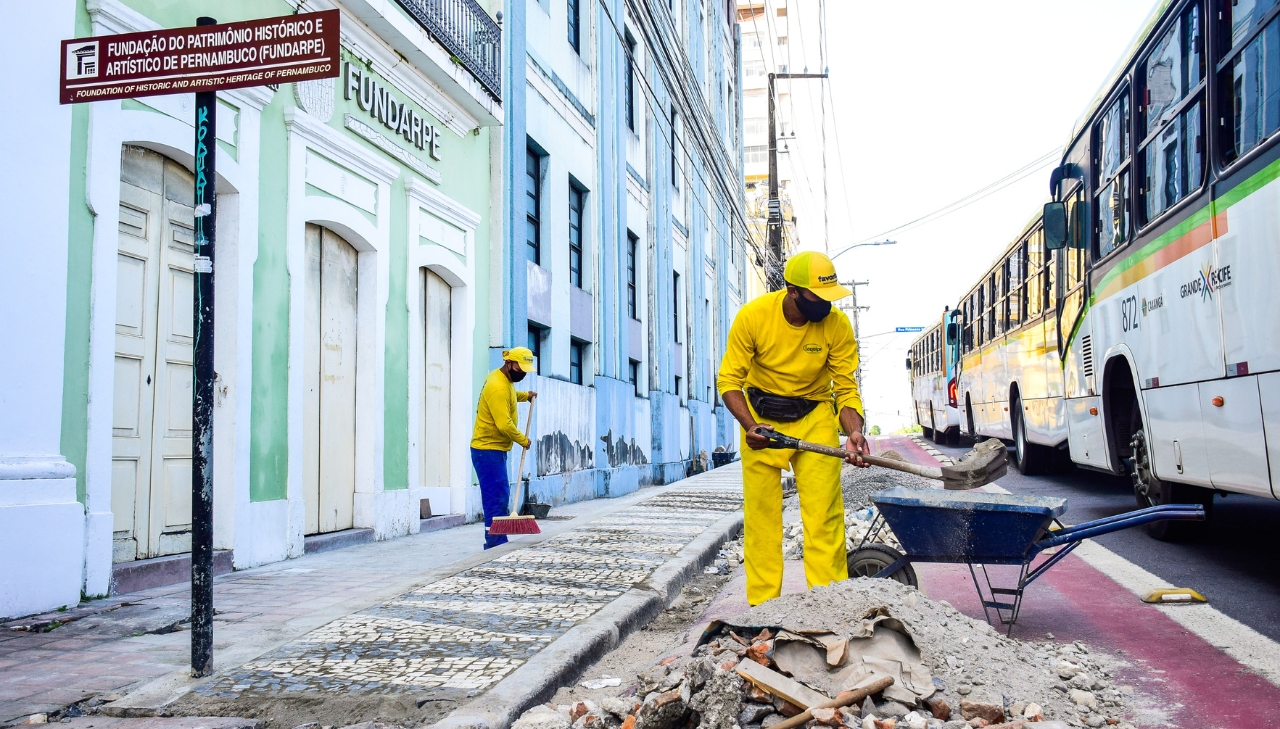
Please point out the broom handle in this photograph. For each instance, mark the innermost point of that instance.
(515, 493)
(924, 471)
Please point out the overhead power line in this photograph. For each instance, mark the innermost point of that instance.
(1031, 167)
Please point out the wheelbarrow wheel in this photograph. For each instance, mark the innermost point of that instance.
(871, 559)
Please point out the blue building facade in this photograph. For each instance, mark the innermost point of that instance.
(623, 255)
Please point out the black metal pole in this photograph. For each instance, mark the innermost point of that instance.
(206, 208)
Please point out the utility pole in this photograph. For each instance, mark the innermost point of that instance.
(852, 309)
(775, 204)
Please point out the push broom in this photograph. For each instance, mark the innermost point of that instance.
(515, 524)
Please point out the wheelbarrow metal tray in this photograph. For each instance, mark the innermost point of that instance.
(966, 526)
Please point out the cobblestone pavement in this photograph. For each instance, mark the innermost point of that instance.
(471, 625)
(454, 638)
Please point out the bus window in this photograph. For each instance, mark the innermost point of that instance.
(1035, 278)
(1173, 153)
(966, 336)
(993, 301)
(1251, 81)
(1112, 202)
(1077, 234)
(1005, 281)
(1017, 277)
(980, 315)
(1243, 18)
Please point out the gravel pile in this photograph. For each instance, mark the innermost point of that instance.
(979, 677)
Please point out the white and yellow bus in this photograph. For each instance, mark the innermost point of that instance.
(933, 366)
(1131, 326)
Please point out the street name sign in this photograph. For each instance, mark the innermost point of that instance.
(901, 330)
(202, 58)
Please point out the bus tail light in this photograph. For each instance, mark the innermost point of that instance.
(951, 393)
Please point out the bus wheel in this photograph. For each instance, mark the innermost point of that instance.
(1031, 457)
(936, 437)
(1151, 491)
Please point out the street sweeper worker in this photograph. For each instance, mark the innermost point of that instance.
(789, 365)
(496, 429)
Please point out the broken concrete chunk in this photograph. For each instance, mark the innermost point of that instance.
(619, 706)
(1033, 712)
(779, 685)
(542, 717)
(660, 711)
(719, 704)
(754, 713)
(992, 713)
(771, 719)
(1083, 698)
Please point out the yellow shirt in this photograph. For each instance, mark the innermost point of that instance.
(496, 426)
(815, 361)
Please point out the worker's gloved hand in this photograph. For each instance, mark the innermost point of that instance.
(856, 444)
(756, 441)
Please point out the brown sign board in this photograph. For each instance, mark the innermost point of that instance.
(201, 58)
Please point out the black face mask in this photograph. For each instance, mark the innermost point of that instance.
(814, 311)
(517, 374)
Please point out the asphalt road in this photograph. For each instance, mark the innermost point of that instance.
(1236, 565)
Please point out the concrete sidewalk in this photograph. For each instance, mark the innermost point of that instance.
(427, 622)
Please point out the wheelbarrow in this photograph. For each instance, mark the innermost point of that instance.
(982, 529)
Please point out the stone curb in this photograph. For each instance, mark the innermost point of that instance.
(565, 659)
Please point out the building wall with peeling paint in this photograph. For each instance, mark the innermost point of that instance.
(645, 411)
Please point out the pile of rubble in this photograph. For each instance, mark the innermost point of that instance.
(796, 653)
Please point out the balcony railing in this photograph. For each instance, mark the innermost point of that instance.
(468, 33)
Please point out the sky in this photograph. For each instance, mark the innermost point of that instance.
(930, 101)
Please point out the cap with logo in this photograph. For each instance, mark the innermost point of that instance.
(522, 356)
(814, 271)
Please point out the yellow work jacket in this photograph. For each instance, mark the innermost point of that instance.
(496, 428)
(815, 361)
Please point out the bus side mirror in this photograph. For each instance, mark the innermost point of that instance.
(908, 363)
(953, 331)
(1055, 226)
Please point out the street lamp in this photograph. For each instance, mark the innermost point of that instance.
(860, 245)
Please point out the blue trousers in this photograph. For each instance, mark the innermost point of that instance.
(495, 490)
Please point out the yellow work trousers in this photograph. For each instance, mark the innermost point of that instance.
(821, 507)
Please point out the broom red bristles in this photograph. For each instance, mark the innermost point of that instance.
(507, 525)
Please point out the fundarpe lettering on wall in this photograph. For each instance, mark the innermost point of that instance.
(386, 108)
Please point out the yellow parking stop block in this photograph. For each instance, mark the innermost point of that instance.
(1166, 595)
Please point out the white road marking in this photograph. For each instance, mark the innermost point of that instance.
(1251, 649)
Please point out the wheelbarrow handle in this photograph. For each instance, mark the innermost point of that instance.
(787, 442)
(1088, 530)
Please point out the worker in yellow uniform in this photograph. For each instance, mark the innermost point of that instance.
(496, 429)
(789, 365)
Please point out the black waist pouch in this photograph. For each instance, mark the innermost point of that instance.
(778, 407)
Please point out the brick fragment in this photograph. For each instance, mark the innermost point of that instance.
(990, 712)
(940, 709)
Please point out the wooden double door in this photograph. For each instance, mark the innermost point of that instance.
(329, 406)
(151, 419)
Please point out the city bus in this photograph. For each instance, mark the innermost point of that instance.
(1128, 326)
(933, 367)
(1010, 374)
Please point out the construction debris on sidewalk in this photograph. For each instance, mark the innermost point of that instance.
(799, 652)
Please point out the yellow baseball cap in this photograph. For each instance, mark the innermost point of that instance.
(522, 356)
(814, 271)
